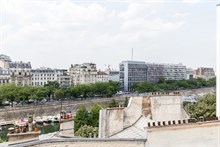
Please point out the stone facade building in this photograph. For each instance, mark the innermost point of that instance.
(42, 75)
(85, 73)
(4, 76)
(204, 72)
(20, 73)
(102, 76)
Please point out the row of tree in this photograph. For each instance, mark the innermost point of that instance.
(166, 85)
(11, 92)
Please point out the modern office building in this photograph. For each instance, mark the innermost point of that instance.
(20, 73)
(132, 72)
(85, 73)
(205, 73)
(166, 71)
(42, 75)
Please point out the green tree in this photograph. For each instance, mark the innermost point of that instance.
(94, 115)
(126, 102)
(113, 103)
(81, 118)
(59, 93)
(205, 107)
(87, 131)
(52, 86)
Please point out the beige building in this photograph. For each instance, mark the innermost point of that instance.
(4, 61)
(20, 73)
(204, 72)
(85, 73)
(102, 76)
(42, 75)
(4, 76)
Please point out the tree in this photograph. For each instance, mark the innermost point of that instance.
(113, 103)
(87, 131)
(126, 102)
(59, 93)
(81, 118)
(94, 115)
(205, 107)
(52, 86)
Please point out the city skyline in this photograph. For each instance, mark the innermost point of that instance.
(58, 33)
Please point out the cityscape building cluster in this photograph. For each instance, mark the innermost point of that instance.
(130, 72)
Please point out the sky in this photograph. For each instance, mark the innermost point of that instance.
(58, 33)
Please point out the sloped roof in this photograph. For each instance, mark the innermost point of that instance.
(136, 131)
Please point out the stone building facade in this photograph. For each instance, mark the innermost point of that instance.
(85, 73)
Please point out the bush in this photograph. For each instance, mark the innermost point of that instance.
(87, 131)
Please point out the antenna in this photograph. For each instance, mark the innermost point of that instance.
(132, 54)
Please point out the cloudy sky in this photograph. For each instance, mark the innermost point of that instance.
(57, 33)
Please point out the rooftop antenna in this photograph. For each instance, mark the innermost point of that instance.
(132, 54)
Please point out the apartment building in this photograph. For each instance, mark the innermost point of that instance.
(20, 73)
(85, 73)
(204, 72)
(42, 75)
(4, 61)
(102, 76)
(4, 76)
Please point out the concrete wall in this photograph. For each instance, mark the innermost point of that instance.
(110, 121)
(198, 134)
(17, 113)
(133, 111)
(166, 108)
(84, 142)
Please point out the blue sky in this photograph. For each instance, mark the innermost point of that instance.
(55, 33)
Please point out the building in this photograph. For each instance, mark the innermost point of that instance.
(4, 61)
(85, 73)
(205, 73)
(166, 71)
(102, 76)
(132, 72)
(190, 73)
(218, 61)
(4, 76)
(42, 75)
(20, 73)
(113, 75)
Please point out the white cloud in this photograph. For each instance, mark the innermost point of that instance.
(44, 29)
(191, 1)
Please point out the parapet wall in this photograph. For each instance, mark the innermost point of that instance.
(188, 134)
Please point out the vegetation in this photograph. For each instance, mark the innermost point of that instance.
(205, 107)
(126, 102)
(166, 85)
(84, 117)
(87, 131)
(13, 93)
(113, 103)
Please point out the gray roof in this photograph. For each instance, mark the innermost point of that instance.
(20, 64)
(136, 131)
